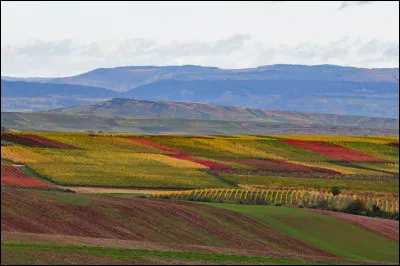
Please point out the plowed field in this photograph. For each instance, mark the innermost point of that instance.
(12, 176)
(158, 221)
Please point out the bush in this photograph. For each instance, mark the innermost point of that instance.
(322, 204)
(357, 207)
(335, 190)
(375, 208)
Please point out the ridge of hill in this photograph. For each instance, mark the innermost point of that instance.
(191, 110)
(316, 89)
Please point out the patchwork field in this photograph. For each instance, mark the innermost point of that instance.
(47, 227)
(194, 162)
(254, 199)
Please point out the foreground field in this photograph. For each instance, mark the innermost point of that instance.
(52, 254)
(46, 226)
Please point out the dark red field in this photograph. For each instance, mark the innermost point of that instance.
(281, 166)
(12, 176)
(159, 146)
(37, 141)
(333, 151)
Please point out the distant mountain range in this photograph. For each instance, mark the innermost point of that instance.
(318, 89)
(189, 110)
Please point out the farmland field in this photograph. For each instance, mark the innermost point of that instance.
(58, 227)
(190, 162)
(153, 223)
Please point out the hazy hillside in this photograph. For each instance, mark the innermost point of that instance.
(335, 97)
(32, 96)
(189, 110)
(318, 89)
(126, 78)
(171, 126)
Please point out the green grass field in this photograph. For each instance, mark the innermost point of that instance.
(29, 253)
(322, 231)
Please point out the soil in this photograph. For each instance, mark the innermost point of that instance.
(160, 222)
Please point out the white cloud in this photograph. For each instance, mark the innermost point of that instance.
(44, 39)
(66, 57)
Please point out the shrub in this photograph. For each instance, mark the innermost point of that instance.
(375, 208)
(335, 190)
(356, 207)
(322, 204)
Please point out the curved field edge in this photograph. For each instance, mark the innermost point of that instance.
(159, 221)
(386, 228)
(332, 235)
(25, 252)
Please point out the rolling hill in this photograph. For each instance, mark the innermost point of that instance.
(152, 125)
(130, 77)
(33, 96)
(190, 110)
(320, 89)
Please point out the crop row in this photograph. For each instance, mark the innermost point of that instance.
(334, 151)
(14, 177)
(281, 166)
(371, 139)
(305, 198)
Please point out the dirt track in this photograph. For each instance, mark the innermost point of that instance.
(384, 227)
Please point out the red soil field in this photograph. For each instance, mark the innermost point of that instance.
(159, 146)
(36, 141)
(146, 220)
(394, 144)
(281, 166)
(11, 176)
(182, 155)
(334, 151)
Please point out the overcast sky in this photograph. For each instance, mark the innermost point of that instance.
(48, 39)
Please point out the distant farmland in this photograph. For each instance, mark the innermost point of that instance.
(364, 164)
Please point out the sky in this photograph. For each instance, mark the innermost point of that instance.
(58, 39)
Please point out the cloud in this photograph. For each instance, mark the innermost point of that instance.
(353, 3)
(66, 57)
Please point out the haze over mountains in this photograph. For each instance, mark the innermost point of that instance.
(189, 110)
(325, 89)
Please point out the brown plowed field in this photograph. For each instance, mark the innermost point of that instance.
(157, 221)
(384, 227)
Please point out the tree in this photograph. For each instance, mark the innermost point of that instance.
(335, 190)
